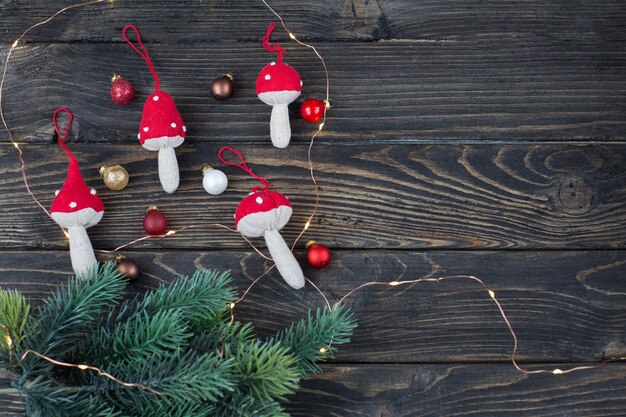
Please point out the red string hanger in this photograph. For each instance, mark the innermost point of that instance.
(273, 48)
(143, 53)
(161, 128)
(243, 166)
(263, 213)
(278, 85)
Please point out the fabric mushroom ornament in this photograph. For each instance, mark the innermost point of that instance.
(76, 207)
(263, 213)
(161, 128)
(278, 85)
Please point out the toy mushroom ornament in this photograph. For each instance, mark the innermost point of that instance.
(161, 128)
(76, 207)
(278, 85)
(263, 213)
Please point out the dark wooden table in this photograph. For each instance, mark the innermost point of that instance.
(469, 137)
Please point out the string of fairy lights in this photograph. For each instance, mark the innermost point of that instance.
(328, 104)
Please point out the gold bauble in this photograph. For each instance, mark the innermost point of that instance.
(115, 177)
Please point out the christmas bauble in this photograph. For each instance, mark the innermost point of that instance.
(222, 87)
(312, 110)
(214, 181)
(317, 255)
(115, 177)
(122, 91)
(127, 268)
(154, 222)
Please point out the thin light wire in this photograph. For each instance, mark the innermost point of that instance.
(83, 367)
(492, 295)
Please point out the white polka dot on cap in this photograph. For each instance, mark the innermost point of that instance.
(93, 191)
(173, 125)
(259, 200)
(73, 204)
(272, 63)
(268, 77)
(57, 192)
(155, 98)
(145, 129)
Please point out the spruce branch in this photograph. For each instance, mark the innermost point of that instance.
(315, 338)
(14, 313)
(67, 313)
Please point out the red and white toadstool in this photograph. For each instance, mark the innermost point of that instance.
(161, 128)
(264, 213)
(278, 85)
(76, 207)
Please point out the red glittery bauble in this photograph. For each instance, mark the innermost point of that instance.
(317, 255)
(154, 222)
(122, 91)
(312, 110)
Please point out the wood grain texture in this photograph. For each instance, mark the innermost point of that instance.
(467, 90)
(444, 390)
(368, 20)
(565, 306)
(376, 196)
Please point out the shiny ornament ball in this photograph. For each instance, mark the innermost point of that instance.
(122, 91)
(154, 222)
(222, 87)
(318, 256)
(127, 268)
(312, 110)
(115, 177)
(214, 181)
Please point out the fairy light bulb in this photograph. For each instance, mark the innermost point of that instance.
(292, 36)
(8, 340)
(15, 43)
(323, 350)
(492, 294)
(82, 367)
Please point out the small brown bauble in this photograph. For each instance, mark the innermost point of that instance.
(222, 87)
(127, 268)
(115, 177)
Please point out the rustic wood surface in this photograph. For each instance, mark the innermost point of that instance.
(484, 138)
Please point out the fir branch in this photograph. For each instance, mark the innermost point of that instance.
(14, 313)
(180, 378)
(42, 399)
(219, 332)
(199, 297)
(310, 339)
(66, 314)
(141, 337)
(266, 370)
(247, 406)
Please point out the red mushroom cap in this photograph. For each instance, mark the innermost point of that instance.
(260, 202)
(75, 195)
(262, 211)
(160, 119)
(278, 77)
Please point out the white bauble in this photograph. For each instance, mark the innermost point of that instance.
(214, 181)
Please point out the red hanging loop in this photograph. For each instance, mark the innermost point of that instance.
(273, 48)
(67, 129)
(143, 53)
(243, 166)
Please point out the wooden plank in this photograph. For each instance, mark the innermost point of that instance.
(565, 306)
(429, 20)
(372, 196)
(446, 390)
(470, 90)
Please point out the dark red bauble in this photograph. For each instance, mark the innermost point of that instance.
(122, 91)
(154, 222)
(312, 110)
(127, 268)
(317, 255)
